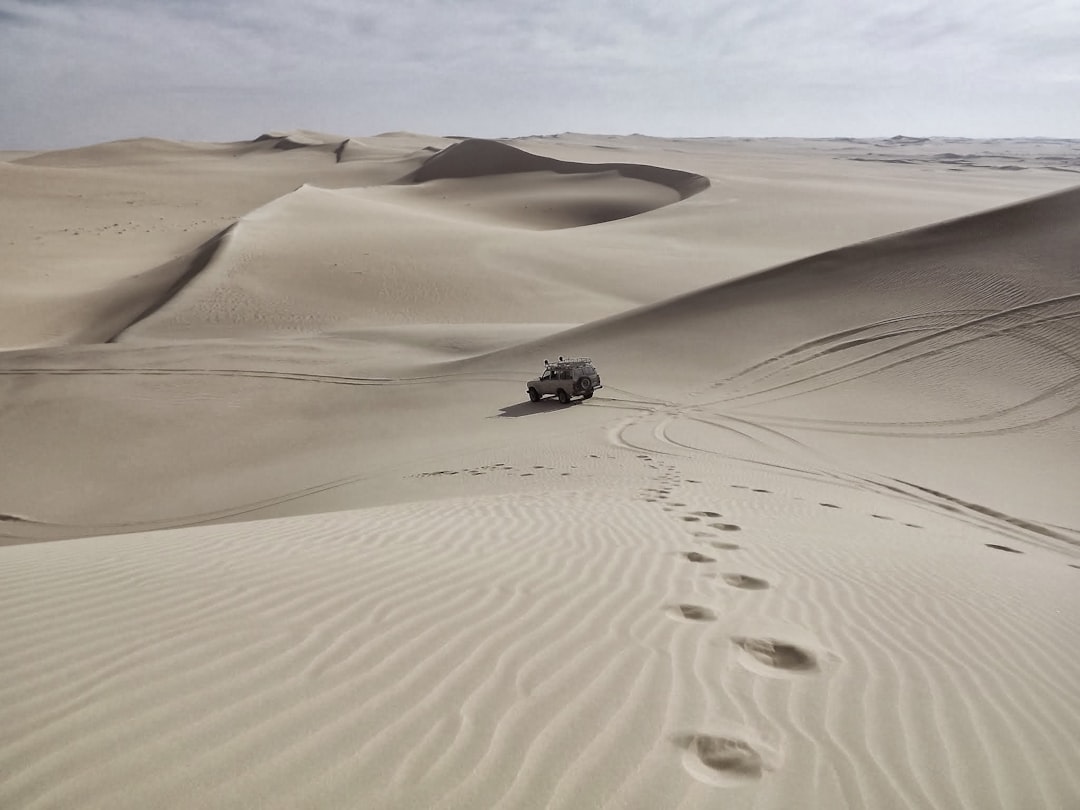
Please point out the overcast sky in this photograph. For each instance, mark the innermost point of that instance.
(81, 71)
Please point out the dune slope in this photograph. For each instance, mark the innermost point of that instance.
(965, 331)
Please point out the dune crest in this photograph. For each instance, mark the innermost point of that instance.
(475, 157)
(298, 138)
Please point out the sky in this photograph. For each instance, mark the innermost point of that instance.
(75, 72)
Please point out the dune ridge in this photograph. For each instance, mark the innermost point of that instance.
(184, 269)
(475, 157)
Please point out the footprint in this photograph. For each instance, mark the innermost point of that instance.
(726, 527)
(745, 582)
(693, 613)
(882, 517)
(913, 525)
(724, 546)
(695, 557)
(690, 518)
(830, 505)
(708, 514)
(767, 491)
(777, 654)
(1004, 548)
(720, 760)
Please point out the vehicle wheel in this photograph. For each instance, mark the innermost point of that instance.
(534, 395)
(564, 397)
(587, 395)
(585, 384)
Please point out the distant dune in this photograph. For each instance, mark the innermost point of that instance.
(279, 526)
(479, 158)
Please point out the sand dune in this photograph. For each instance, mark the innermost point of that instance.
(813, 544)
(245, 280)
(479, 158)
(137, 151)
(932, 316)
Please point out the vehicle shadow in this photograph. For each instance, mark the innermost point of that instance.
(532, 408)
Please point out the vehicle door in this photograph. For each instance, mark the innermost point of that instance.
(547, 382)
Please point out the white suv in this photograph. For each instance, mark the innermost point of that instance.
(566, 378)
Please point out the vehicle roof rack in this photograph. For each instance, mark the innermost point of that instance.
(571, 361)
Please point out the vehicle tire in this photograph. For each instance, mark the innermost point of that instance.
(564, 397)
(534, 395)
(587, 395)
(585, 384)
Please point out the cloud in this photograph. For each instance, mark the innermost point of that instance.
(78, 70)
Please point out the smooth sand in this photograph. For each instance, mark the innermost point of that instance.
(282, 530)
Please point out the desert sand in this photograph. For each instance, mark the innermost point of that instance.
(279, 526)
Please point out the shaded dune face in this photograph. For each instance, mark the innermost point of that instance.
(479, 158)
(530, 190)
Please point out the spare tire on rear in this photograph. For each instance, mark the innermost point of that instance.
(585, 383)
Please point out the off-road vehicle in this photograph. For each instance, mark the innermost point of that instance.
(568, 377)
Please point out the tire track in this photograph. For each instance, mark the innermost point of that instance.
(823, 345)
(855, 364)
